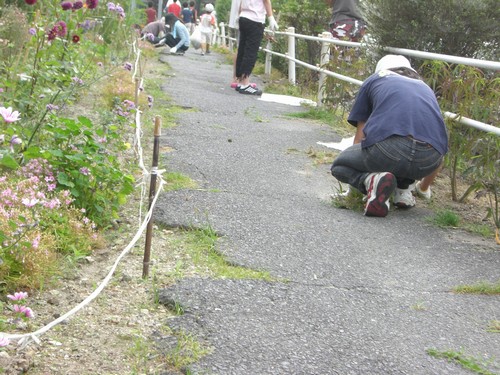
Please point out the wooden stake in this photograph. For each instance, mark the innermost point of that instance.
(152, 192)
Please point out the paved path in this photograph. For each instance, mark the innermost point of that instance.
(364, 295)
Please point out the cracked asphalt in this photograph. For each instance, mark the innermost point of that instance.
(359, 295)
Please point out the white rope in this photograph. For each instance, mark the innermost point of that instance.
(24, 339)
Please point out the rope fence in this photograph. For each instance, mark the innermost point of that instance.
(23, 339)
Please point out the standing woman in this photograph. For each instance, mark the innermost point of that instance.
(177, 37)
(251, 22)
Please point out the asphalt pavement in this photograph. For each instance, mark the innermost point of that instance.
(360, 295)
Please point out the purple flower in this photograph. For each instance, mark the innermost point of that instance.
(77, 81)
(15, 140)
(111, 6)
(78, 4)
(9, 115)
(17, 296)
(62, 29)
(91, 4)
(66, 5)
(32, 31)
(100, 64)
(52, 107)
(129, 104)
(128, 66)
(30, 2)
(85, 171)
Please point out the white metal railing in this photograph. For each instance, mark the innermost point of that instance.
(326, 41)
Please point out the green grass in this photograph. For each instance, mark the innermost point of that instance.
(178, 181)
(352, 201)
(321, 156)
(494, 326)
(467, 362)
(445, 219)
(334, 119)
(483, 287)
(200, 247)
(187, 351)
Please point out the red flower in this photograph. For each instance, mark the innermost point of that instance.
(76, 38)
(30, 2)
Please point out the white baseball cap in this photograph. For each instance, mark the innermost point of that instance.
(209, 7)
(393, 61)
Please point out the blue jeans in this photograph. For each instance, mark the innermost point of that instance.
(405, 157)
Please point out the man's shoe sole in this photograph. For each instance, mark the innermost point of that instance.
(385, 187)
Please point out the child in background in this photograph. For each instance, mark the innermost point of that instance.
(187, 17)
(207, 24)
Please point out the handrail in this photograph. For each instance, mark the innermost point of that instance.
(326, 41)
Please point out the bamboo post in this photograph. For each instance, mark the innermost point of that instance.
(152, 192)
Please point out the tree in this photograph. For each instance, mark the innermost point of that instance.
(467, 28)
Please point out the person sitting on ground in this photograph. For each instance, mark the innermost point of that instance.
(154, 32)
(207, 24)
(177, 37)
(400, 136)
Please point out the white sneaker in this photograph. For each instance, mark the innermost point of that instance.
(403, 198)
(379, 188)
(421, 193)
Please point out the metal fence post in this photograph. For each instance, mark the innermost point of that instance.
(269, 57)
(291, 54)
(324, 60)
(223, 33)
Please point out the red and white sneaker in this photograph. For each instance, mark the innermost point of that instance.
(379, 187)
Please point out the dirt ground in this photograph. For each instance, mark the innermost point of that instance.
(113, 333)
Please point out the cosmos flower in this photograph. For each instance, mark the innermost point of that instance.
(9, 115)
(17, 296)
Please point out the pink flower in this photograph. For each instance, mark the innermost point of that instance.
(4, 341)
(30, 2)
(9, 115)
(85, 171)
(26, 311)
(78, 4)
(30, 202)
(17, 296)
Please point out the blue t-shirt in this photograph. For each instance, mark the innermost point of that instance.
(187, 15)
(180, 31)
(392, 104)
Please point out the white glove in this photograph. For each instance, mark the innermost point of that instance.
(273, 25)
(173, 50)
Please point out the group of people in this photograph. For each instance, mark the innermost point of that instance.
(177, 26)
(400, 137)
